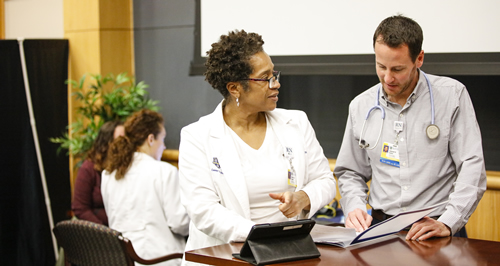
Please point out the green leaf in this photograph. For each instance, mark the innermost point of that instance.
(122, 78)
(71, 82)
(98, 106)
(82, 80)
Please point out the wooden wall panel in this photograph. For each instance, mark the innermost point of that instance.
(116, 14)
(171, 156)
(2, 19)
(100, 34)
(117, 53)
(485, 221)
(81, 15)
(84, 48)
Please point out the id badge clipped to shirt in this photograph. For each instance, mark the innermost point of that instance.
(390, 154)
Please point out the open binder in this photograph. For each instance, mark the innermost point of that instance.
(279, 242)
(345, 237)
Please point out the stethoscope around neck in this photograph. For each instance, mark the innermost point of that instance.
(432, 130)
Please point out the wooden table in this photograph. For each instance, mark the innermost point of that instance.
(393, 251)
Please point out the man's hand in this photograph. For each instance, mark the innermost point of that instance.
(358, 219)
(292, 202)
(427, 228)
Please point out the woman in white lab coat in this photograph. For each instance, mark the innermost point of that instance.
(141, 193)
(248, 162)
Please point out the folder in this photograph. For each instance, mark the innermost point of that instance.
(345, 237)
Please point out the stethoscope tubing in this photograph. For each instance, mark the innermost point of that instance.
(377, 105)
(432, 97)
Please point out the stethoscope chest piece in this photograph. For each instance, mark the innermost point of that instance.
(432, 131)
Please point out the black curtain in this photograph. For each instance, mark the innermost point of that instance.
(25, 237)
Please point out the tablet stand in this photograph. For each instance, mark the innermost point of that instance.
(296, 245)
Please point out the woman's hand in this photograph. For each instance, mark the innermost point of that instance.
(292, 202)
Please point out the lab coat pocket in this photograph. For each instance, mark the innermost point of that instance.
(229, 192)
(431, 148)
(128, 226)
(219, 183)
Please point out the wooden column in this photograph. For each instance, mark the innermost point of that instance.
(484, 223)
(2, 19)
(100, 34)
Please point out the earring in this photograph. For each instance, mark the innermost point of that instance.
(237, 102)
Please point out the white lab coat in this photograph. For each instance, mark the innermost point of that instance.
(213, 188)
(145, 207)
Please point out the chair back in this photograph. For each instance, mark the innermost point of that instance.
(88, 243)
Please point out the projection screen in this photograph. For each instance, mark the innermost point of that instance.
(335, 37)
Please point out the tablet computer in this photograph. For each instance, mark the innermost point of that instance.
(279, 242)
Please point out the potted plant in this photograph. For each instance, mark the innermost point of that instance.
(107, 98)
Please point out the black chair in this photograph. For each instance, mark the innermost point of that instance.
(88, 243)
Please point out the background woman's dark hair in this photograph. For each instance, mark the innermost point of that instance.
(137, 129)
(99, 150)
(228, 60)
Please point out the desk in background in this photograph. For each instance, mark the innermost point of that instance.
(394, 251)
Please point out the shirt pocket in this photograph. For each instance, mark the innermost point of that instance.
(431, 148)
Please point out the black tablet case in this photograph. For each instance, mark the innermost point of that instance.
(279, 242)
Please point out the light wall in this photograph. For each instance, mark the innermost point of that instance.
(34, 19)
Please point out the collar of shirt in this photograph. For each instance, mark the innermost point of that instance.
(420, 88)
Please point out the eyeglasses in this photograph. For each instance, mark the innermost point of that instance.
(272, 80)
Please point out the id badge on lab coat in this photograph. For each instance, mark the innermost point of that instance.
(390, 154)
(292, 177)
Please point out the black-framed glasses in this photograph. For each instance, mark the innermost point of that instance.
(272, 80)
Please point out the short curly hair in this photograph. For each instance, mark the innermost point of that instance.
(228, 60)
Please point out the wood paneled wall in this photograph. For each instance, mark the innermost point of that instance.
(100, 34)
(2, 19)
(483, 224)
(485, 221)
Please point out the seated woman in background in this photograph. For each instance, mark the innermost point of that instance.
(141, 193)
(87, 200)
(248, 162)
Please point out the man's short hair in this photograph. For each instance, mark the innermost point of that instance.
(400, 30)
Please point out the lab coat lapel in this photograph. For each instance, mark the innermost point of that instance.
(224, 150)
(288, 133)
